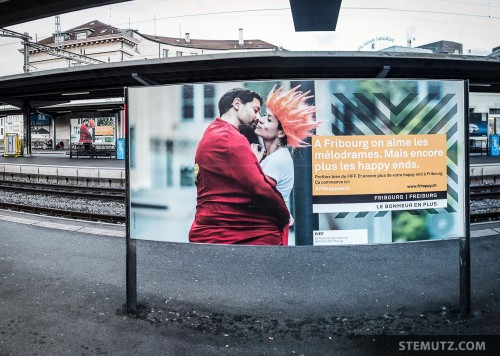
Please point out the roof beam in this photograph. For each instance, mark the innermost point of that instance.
(143, 81)
(383, 72)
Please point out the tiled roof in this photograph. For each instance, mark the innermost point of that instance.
(96, 29)
(210, 44)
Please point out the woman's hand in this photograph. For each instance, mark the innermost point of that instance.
(258, 151)
(291, 221)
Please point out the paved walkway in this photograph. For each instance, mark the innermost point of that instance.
(62, 292)
(61, 158)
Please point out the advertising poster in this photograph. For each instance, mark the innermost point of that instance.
(406, 175)
(102, 130)
(382, 161)
(373, 173)
(478, 124)
(120, 148)
(40, 127)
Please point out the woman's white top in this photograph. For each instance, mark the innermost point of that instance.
(279, 166)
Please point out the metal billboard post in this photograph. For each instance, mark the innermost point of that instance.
(131, 262)
(131, 253)
(464, 241)
(306, 221)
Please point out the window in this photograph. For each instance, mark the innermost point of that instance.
(209, 101)
(178, 54)
(81, 35)
(165, 53)
(187, 102)
(494, 111)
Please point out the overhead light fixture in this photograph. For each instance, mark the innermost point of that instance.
(64, 112)
(76, 93)
(480, 85)
(104, 109)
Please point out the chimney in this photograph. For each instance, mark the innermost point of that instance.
(240, 41)
(188, 38)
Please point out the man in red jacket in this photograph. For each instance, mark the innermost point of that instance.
(237, 203)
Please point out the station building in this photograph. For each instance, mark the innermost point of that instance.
(105, 43)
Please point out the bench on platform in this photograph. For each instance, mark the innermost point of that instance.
(95, 150)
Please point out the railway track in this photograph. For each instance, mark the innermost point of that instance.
(484, 216)
(113, 194)
(74, 202)
(484, 205)
(480, 192)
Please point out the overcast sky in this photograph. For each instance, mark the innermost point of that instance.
(474, 23)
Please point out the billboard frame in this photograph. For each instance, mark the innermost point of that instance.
(464, 241)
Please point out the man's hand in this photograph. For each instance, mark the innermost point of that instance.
(258, 151)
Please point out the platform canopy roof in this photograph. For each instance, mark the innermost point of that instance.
(108, 80)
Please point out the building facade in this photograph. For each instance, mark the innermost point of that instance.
(106, 43)
(100, 42)
(448, 47)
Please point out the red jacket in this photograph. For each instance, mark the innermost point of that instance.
(85, 135)
(237, 203)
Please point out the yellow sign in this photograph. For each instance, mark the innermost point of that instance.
(375, 168)
(104, 130)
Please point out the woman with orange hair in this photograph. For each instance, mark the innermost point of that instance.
(287, 122)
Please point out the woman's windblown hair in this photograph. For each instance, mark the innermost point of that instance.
(295, 115)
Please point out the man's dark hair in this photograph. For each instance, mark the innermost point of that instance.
(85, 120)
(245, 95)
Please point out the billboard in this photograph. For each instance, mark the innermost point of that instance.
(102, 130)
(478, 124)
(382, 161)
(39, 120)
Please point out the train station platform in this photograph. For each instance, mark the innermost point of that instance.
(476, 159)
(57, 167)
(63, 290)
(62, 158)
